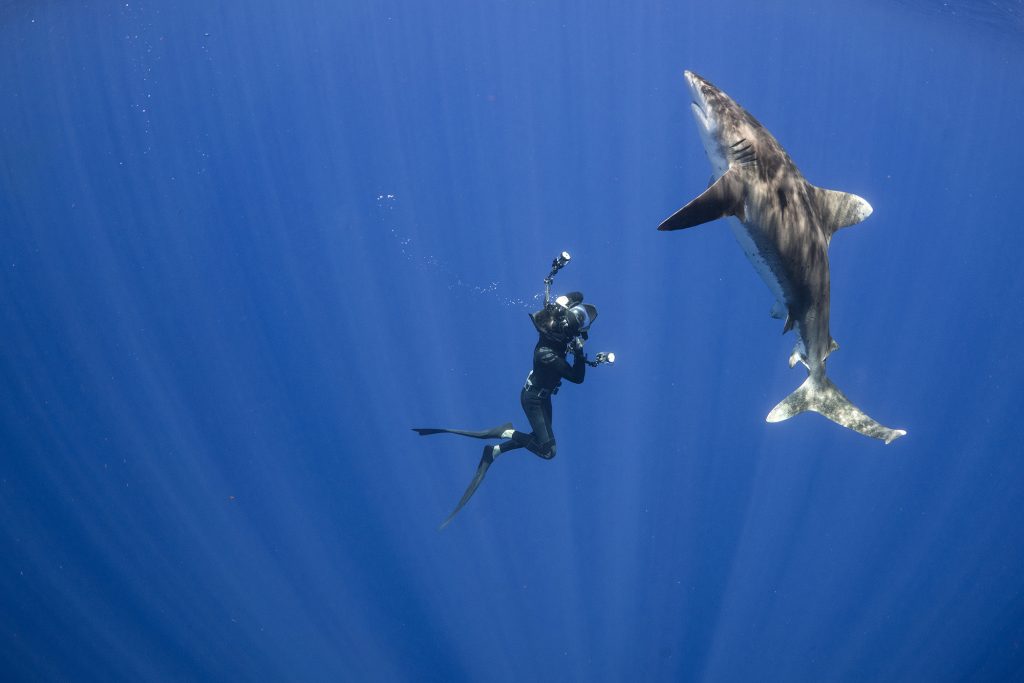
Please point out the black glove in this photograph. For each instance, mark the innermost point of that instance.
(576, 346)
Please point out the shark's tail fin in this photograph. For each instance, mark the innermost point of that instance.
(822, 396)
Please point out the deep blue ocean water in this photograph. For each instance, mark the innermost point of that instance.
(244, 247)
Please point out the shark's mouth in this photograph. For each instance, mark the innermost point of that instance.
(698, 103)
(700, 114)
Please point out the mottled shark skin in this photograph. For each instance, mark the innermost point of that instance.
(784, 225)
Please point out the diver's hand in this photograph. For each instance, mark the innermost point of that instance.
(576, 347)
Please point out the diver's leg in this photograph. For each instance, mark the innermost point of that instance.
(548, 429)
(505, 447)
(538, 412)
(544, 434)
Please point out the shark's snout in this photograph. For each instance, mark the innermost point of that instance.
(693, 79)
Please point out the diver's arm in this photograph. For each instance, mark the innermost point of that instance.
(574, 373)
(578, 368)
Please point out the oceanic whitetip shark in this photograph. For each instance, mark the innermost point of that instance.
(784, 225)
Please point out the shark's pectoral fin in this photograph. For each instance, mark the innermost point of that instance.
(790, 322)
(824, 397)
(840, 209)
(779, 310)
(723, 198)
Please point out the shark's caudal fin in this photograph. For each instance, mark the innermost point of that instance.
(840, 209)
(822, 396)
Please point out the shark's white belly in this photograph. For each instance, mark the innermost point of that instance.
(764, 269)
(756, 259)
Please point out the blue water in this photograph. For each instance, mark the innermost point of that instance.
(244, 247)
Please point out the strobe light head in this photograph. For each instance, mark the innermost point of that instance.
(561, 260)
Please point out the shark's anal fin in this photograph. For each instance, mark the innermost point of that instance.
(723, 198)
(822, 396)
(840, 209)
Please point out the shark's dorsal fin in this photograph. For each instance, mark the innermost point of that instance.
(840, 209)
(723, 198)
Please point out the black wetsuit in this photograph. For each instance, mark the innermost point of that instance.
(549, 369)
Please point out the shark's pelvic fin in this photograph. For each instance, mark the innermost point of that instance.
(840, 209)
(723, 198)
(832, 347)
(822, 396)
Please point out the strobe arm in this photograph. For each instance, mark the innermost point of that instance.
(557, 264)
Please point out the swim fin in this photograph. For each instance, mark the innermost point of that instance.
(493, 433)
(481, 471)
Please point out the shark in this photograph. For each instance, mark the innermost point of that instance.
(784, 225)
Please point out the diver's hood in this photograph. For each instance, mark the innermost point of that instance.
(549, 322)
(566, 317)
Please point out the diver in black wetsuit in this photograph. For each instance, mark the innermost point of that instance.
(562, 329)
(563, 326)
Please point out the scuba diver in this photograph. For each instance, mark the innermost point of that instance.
(563, 326)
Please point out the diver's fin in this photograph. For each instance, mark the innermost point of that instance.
(723, 198)
(492, 433)
(481, 471)
(824, 397)
(839, 209)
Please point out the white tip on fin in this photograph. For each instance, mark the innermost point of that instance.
(840, 209)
